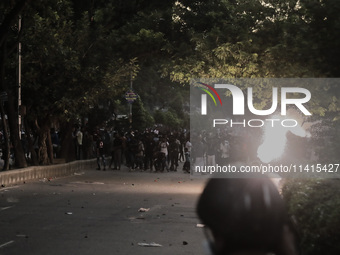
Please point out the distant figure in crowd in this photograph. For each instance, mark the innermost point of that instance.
(79, 142)
(164, 149)
(224, 152)
(211, 151)
(174, 146)
(149, 150)
(132, 151)
(116, 155)
(198, 151)
(181, 148)
(186, 166)
(188, 145)
(100, 153)
(139, 156)
(245, 217)
(55, 142)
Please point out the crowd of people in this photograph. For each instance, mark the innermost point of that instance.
(149, 150)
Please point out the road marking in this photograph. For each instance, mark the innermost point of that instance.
(5, 244)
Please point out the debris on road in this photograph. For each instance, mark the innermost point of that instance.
(200, 225)
(136, 218)
(143, 209)
(5, 244)
(80, 173)
(150, 244)
(22, 235)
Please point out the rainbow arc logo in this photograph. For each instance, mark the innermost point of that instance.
(209, 93)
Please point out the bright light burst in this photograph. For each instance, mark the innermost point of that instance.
(275, 139)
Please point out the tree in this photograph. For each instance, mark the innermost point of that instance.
(78, 54)
(68, 68)
(141, 119)
(9, 89)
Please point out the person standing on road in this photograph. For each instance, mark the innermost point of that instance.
(149, 151)
(186, 165)
(174, 145)
(188, 145)
(211, 151)
(224, 152)
(100, 153)
(164, 149)
(245, 217)
(79, 143)
(181, 157)
(55, 142)
(132, 151)
(140, 154)
(116, 152)
(199, 152)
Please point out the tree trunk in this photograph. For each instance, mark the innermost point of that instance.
(67, 144)
(49, 146)
(5, 149)
(5, 26)
(34, 158)
(20, 160)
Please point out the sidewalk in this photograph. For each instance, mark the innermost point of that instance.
(19, 176)
(23, 175)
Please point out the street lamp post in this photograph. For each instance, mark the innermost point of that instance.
(19, 77)
(130, 115)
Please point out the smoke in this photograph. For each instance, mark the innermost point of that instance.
(275, 138)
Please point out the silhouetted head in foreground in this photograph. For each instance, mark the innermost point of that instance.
(245, 216)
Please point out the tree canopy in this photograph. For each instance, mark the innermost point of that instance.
(78, 55)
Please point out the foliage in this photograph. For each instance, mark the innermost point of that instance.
(141, 119)
(80, 57)
(66, 72)
(169, 118)
(314, 204)
(79, 54)
(159, 117)
(49, 62)
(326, 140)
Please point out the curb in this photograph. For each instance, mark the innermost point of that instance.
(39, 172)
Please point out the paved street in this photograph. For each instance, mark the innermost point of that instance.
(97, 212)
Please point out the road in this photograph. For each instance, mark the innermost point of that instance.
(97, 212)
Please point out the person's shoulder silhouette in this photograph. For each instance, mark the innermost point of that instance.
(245, 216)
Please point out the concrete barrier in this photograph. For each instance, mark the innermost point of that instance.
(40, 172)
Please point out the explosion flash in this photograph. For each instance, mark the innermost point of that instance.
(275, 139)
